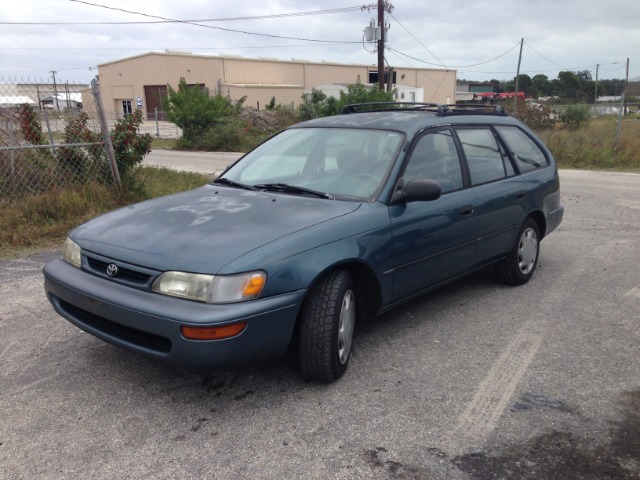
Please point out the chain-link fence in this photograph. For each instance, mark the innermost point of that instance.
(50, 136)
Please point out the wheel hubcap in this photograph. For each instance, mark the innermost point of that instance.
(527, 251)
(345, 329)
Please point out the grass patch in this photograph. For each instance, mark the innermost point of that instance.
(164, 143)
(43, 221)
(594, 146)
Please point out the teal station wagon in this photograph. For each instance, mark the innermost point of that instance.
(331, 222)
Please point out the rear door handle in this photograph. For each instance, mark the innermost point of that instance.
(521, 193)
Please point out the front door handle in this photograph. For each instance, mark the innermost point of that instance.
(466, 210)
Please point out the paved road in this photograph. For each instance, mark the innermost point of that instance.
(475, 380)
(209, 163)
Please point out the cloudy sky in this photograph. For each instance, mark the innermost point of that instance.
(478, 38)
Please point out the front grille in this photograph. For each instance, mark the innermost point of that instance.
(127, 274)
(133, 336)
(124, 274)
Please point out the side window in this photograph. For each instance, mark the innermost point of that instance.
(527, 155)
(484, 156)
(435, 157)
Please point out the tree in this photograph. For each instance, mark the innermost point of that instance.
(540, 85)
(194, 110)
(319, 105)
(496, 85)
(584, 75)
(569, 82)
(524, 83)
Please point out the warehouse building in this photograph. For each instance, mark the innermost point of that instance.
(141, 81)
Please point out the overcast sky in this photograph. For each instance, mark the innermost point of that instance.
(478, 38)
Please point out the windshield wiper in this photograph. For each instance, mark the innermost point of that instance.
(284, 187)
(231, 183)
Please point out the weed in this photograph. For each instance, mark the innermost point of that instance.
(43, 220)
(594, 146)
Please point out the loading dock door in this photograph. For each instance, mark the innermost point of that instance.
(153, 94)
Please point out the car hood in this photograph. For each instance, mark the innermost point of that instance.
(202, 230)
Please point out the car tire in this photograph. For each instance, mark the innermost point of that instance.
(326, 327)
(518, 267)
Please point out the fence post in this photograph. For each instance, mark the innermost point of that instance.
(46, 119)
(105, 131)
(619, 122)
(157, 126)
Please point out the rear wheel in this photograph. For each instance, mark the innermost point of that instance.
(518, 267)
(326, 327)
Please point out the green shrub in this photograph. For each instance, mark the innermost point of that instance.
(576, 116)
(195, 110)
(129, 145)
(225, 136)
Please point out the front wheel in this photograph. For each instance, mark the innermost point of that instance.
(326, 327)
(518, 267)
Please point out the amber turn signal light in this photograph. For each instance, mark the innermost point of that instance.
(212, 333)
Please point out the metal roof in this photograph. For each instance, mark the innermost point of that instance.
(16, 100)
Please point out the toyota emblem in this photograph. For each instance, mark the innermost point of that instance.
(112, 270)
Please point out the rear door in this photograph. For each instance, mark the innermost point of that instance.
(499, 194)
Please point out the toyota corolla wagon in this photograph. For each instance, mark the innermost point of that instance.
(329, 223)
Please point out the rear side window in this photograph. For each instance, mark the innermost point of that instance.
(524, 151)
(484, 156)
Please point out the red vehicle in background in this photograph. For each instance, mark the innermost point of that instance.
(488, 96)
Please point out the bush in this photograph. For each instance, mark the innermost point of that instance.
(535, 116)
(195, 110)
(129, 145)
(319, 105)
(225, 136)
(31, 129)
(576, 116)
(81, 162)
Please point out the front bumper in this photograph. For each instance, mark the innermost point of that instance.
(149, 323)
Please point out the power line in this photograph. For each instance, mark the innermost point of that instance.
(201, 20)
(417, 40)
(151, 49)
(548, 60)
(456, 66)
(210, 26)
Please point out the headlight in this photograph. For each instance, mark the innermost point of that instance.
(71, 252)
(211, 288)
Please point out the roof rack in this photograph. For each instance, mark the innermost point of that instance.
(437, 108)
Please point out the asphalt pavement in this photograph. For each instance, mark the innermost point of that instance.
(477, 380)
(208, 163)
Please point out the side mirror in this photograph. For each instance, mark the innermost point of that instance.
(417, 190)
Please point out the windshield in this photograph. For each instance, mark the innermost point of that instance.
(340, 162)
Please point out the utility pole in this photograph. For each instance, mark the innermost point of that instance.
(623, 106)
(626, 82)
(595, 100)
(381, 45)
(378, 34)
(515, 97)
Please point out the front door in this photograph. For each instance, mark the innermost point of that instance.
(126, 107)
(433, 240)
